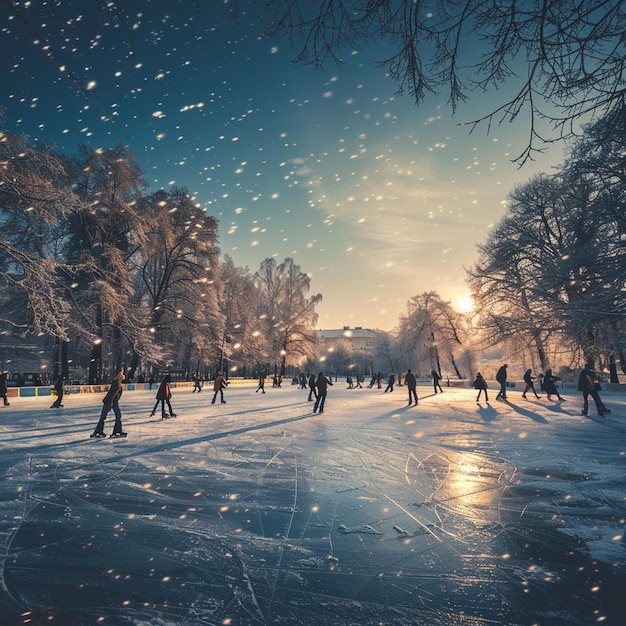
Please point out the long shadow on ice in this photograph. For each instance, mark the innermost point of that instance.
(529, 414)
(190, 442)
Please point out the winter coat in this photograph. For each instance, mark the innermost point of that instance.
(322, 383)
(220, 383)
(586, 381)
(480, 382)
(115, 391)
(410, 381)
(548, 382)
(501, 375)
(164, 392)
(528, 378)
(3, 383)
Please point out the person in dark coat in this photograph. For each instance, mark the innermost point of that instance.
(58, 388)
(164, 395)
(3, 387)
(411, 382)
(197, 383)
(549, 384)
(501, 378)
(111, 401)
(481, 384)
(529, 379)
(589, 384)
(436, 380)
(321, 385)
(390, 382)
(219, 385)
(261, 385)
(312, 392)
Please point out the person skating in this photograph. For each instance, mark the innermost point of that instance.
(390, 382)
(163, 396)
(549, 385)
(312, 392)
(111, 401)
(501, 378)
(3, 387)
(218, 387)
(58, 388)
(321, 385)
(411, 382)
(436, 380)
(589, 384)
(481, 384)
(529, 379)
(197, 383)
(261, 385)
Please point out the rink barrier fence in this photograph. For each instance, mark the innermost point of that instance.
(45, 390)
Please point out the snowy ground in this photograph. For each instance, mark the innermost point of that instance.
(259, 512)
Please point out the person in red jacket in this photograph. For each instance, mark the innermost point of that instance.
(163, 396)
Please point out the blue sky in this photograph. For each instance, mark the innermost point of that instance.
(376, 198)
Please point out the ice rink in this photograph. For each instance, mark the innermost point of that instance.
(257, 511)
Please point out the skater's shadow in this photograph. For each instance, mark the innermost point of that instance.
(529, 414)
(487, 413)
(195, 440)
(396, 412)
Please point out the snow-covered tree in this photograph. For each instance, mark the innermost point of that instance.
(287, 312)
(103, 234)
(431, 331)
(176, 268)
(34, 198)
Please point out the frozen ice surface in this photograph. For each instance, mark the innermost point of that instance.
(260, 512)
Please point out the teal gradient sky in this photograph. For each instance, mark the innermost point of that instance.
(377, 199)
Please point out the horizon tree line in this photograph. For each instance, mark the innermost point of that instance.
(133, 279)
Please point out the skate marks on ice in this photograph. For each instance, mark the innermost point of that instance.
(125, 543)
(328, 522)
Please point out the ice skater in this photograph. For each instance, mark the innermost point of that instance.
(261, 385)
(481, 384)
(58, 389)
(501, 378)
(321, 384)
(197, 383)
(111, 401)
(312, 392)
(163, 396)
(549, 385)
(3, 387)
(436, 380)
(218, 387)
(390, 383)
(529, 379)
(411, 382)
(589, 384)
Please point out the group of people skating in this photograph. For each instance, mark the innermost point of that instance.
(110, 402)
(588, 385)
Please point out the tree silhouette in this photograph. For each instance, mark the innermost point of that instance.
(561, 61)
